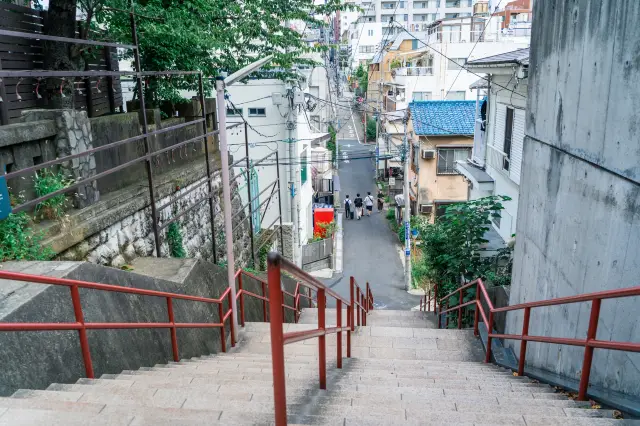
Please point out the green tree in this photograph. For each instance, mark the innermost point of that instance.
(451, 246)
(371, 129)
(362, 76)
(191, 35)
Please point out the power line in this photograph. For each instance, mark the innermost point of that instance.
(460, 65)
(472, 49)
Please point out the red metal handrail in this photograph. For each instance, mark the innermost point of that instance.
(589, 343)
(82, 326)
(362, 302)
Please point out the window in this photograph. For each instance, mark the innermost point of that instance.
(441, 209)
(231, 111)
(456, 63)
(455, 96)
(508, 134)
(401, 6)
(257, 112)
(367, 49)
(421, 96)
(370, 33)
(405, 17)
(447, 158)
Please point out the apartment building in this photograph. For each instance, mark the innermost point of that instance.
(375, 22)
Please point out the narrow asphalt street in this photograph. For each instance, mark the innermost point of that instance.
(370, 247)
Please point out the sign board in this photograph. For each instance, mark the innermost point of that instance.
(392, 181)
(5, 203)
(407, 250)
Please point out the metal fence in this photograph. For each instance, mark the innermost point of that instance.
(148, 156)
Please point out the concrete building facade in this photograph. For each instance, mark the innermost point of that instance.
(579, 209)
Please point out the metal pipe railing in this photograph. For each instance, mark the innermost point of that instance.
(81, 325)
(589, 343)
(275, 265)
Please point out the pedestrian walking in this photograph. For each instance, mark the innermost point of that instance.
(368, 202)
(380, 201)
(348, 208)
(358, 202)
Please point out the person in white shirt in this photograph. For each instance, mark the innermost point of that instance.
(368, 202)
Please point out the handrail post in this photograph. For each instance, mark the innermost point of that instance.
(487, 358)
(460, 311)
(349, 325)
(476, 315)
(241, 299)
(231, 326)
(277, 340)
(174, 336)
(435, 300)
(223, 339)
(82, 332)
(322, 340)
(588, 350)
(420, 303)
(523, 343)
(339, 324)
(309, 299)
(368, 305)
(358, 307)
(264, 302)
(364, 310)
(352, 313)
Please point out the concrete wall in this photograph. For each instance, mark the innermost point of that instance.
(579, 213)
(37, 359)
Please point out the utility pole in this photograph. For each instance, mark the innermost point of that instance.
(378, 123)
(407, 207)
(293, 176)
(226, 197)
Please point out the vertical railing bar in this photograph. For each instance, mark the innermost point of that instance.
(523, 342)
(487, 358)
(231, 325)
(588, 350)
(241, 299)
(339, 325)
(82, 332)
(147, 147)
(174, 336)
(349, 325)
(207, 156)
(322, 344)
(223, 339)
(277, 340)
(352, 313)
(476, 315)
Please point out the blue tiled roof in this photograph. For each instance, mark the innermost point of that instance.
(443, 118)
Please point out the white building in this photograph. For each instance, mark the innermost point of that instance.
(436, 72)
(411, 15)
(495, 164)
(292, 133)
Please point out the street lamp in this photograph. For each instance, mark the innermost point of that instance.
(221, 82)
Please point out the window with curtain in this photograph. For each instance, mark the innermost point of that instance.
(447, 158)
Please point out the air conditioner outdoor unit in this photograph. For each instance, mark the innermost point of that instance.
(428, 154)
(426, 208)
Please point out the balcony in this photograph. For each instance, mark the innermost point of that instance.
(414, 71)
(497, 159)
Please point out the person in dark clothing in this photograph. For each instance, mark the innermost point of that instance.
(348, 208)
(358, 202)
(380, 201)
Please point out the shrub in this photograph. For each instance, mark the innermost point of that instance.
(47, 182)
(19, 242)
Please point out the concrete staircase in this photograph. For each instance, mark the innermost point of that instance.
(402, 371)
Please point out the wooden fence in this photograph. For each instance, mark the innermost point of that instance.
(98, 96)
(317, 255)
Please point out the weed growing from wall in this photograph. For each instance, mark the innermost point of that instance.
(174, 239)
(45, 183)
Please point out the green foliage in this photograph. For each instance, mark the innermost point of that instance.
(372, 125)
(451, 246)
(391, 213)
(362, 76)
(395, 64)
(331, 144)
(174, 239)
(19, 242)
(329, 229)
(214, 35)
(46, 182)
